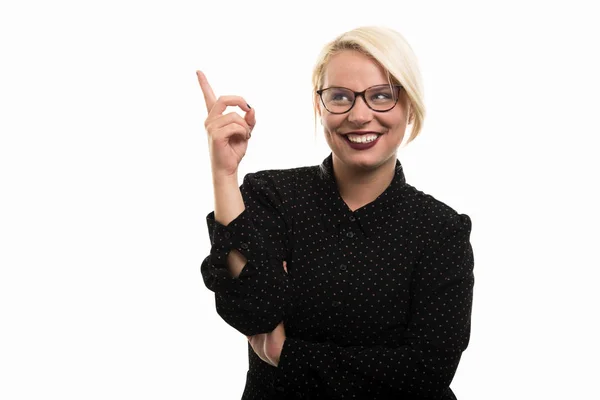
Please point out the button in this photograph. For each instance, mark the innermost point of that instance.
(244, 246)
(352, 218)
(336, 303)
(343, 267)
(227, 235)
(280, 389)
(350, 234)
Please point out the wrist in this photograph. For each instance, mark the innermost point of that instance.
(225, 180)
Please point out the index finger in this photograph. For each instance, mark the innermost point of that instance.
(209, 96)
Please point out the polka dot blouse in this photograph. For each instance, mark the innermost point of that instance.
(376, 302)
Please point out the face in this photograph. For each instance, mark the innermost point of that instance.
(356, 71)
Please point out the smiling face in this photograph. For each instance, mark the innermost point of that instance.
(356, 71)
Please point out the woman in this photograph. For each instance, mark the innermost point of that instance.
(347, 281)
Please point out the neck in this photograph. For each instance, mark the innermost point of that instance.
(359, 187)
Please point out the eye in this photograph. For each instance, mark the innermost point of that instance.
(340, 96)
(382, 95)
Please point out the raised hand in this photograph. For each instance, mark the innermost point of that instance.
(227, 134)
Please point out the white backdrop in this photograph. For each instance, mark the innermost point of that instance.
(105, 182)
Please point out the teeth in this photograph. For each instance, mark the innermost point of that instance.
(362, 138)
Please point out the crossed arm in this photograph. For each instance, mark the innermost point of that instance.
(422, 365)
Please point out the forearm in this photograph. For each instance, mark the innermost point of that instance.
(249, 242)
(422, 361)
(228, 205)
(411, 371)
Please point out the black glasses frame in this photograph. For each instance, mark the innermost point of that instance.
(357, 95)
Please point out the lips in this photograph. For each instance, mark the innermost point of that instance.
(362, 145)
(360, 133)
(361, 137)
(366, 138)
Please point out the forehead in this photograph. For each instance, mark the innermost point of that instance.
(354, 70)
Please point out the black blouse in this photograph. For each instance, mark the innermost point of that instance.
(376, 302)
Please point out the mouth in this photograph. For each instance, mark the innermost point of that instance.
(360, 137)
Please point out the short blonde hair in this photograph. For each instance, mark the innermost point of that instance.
(392, 52)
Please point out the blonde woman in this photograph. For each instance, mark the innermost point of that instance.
(347, 281)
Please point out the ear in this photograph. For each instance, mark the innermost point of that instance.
(317, 108)
(317, 104)
(411, 114)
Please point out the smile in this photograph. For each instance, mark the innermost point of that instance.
(364, 138)
(362, 141)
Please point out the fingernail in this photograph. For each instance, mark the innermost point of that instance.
(248, 105)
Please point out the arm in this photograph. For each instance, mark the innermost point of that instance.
(247, 230)
(423, 365)
(254, 301)
(228, 205)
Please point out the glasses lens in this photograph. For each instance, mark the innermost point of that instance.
(382, 97)
(337, 100)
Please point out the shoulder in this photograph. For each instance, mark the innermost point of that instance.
(435, 216)
(278, 185)
(282, 179)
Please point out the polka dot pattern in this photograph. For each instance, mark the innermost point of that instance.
(376, 302)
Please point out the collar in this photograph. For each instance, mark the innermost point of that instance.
(336, 214)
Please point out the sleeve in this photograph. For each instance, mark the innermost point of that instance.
(425, 360)
(254, 302)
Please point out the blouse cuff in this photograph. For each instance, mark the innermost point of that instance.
(238, 234)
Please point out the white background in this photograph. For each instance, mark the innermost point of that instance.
(105, 185)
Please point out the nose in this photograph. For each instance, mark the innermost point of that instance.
(360, 114)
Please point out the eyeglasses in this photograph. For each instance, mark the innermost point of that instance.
(340, 100)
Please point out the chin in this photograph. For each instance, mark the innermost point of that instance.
(364, 161)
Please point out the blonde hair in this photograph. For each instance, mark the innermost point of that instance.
(392, 52)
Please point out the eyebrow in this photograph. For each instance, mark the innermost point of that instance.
(368, 87)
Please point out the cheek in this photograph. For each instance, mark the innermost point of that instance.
(394, 121)
(331, 122)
